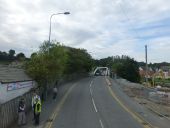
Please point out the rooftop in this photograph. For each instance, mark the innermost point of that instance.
(9, 73)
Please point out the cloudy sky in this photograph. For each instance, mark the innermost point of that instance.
(103, 27)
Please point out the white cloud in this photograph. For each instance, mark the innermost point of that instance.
(104, 28)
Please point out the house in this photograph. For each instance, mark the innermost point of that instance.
(14, 82)
(142, 71)
(163, 72)
(166, 71)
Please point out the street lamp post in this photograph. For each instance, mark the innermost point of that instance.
(65, 13)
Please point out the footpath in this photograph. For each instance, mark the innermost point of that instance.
(48, 107)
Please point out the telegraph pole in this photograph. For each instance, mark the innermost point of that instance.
(146, 58)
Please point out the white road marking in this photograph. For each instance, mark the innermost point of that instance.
(101, 123)
(94, 105)
(91, 92)
(91, 83)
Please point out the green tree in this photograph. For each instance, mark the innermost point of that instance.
(33, 54)
(127, 68)
(20, 56)
(78, 61)
(48, 64)
(54, 60)
(11, 54)
(3, 56)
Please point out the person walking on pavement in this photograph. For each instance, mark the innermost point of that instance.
(34, 97)
(37, 111)
(21, 112)
(55, 90)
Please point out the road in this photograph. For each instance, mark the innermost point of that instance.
(90, 104)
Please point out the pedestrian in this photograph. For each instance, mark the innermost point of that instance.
(34, 97)
(21, 112)
(55, 90)
(37, 111)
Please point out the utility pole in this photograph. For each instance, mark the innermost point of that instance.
(146, 57)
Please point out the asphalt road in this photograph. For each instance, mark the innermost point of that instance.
(89, 104)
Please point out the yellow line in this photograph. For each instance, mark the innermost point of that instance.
(58, 108)
(133, 114)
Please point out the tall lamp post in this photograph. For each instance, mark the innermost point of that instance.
(65, 13)
(49, 40)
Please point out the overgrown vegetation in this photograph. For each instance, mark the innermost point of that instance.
(54, 60)
(127, 68)
(123, 66)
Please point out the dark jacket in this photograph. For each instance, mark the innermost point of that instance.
(21, 106)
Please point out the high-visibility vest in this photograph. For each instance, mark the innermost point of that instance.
(36, 107)
(34, 99)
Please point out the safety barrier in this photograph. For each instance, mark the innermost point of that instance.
(9, 110)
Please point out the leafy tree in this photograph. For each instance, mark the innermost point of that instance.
(105, 62)
(78, 61)
(48, 64)
(127, 68)
(3, 56)
(20, 56)
(11, 54)
(33, 54)
(54, 60)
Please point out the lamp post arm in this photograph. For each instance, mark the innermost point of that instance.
(65, 13)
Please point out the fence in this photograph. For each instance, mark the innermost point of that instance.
(8, 110)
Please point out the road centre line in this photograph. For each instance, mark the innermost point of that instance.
(91, 83)
(101, 123)
(94, 105)
(91, 92)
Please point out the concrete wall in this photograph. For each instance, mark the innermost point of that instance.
(10, 91)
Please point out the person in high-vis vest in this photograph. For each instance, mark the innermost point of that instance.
(34, 102)
(37, 111)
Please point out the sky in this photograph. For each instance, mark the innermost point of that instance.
(103, 27)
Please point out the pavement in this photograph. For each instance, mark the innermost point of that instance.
(93, 103)
(47, 108)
